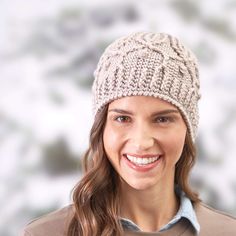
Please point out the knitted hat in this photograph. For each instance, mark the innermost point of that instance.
(149, 64)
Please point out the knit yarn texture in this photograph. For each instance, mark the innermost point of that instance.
(149, 64)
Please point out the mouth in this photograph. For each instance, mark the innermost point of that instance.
(142, 160)
(142, 163)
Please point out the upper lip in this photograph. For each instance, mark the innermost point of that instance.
(142, 156)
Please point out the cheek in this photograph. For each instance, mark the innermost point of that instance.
(112, 140)
(174, 145)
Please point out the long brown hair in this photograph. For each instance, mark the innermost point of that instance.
(96, 197)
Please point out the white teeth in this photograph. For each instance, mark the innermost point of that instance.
(142, 161)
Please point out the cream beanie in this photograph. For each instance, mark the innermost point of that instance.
(149, 64)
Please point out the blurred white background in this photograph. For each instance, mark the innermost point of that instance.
(48, 52)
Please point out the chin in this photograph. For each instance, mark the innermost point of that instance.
(140, 186)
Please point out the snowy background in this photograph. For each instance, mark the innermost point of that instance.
(48, 52)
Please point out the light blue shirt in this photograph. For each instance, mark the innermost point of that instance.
(186, 210)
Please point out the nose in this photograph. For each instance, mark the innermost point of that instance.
(142, 137)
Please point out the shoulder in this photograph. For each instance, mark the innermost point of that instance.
(54, 223)
(212, 220)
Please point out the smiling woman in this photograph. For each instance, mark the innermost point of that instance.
(142, 148)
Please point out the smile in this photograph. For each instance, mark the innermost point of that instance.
(142, 161)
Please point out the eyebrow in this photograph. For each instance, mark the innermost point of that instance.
(162, 112)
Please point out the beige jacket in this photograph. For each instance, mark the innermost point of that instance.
(212, 223)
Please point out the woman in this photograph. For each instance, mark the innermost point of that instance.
(146, 93)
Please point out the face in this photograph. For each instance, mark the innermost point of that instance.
(143, 139)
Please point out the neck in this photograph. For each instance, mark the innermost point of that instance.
(151, 208)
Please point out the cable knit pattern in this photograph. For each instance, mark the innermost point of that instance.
(149, 64)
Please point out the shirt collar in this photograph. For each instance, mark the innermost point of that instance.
(186, 210)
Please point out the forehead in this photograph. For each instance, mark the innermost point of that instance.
(141, 103)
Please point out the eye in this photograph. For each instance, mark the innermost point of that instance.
(122, 119)
(164, 119)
